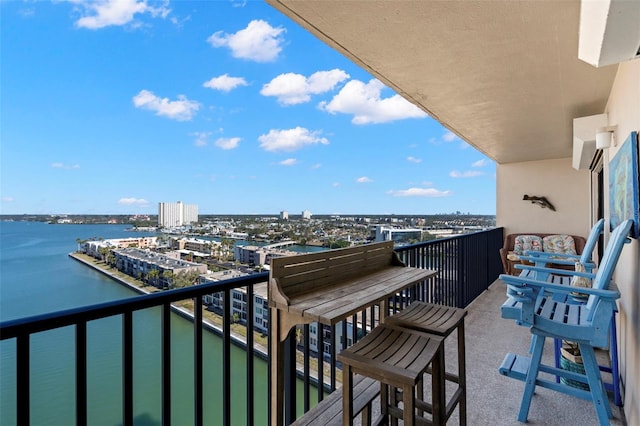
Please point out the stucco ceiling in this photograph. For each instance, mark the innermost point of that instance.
(503, 75)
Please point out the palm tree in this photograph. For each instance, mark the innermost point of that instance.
(80, 242)
(104, 251)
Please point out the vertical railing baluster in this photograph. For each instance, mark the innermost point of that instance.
(250, 361)
(354, 329)
(81, 373)
(334, 343)
(344, 335)
(166, 364)
(364, 323)
(307, 366)
(127, 368)
(226, 359)
(23, 392)
(198, 408)
(320, 362)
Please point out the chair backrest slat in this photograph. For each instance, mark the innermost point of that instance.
(592, 240)
(618, 238)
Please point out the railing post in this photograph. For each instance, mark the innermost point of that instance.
(23, 391)
(226, 359)
(127, 368)
(81, 373)
(166, 363)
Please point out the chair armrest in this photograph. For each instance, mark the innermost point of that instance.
(546, 254)
(520, 283)
(541, 262)
(589, 275)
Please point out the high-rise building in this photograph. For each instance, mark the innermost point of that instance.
(177, 214)
(284, 215)
(306, 214)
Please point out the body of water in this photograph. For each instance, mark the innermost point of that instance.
(37, 276)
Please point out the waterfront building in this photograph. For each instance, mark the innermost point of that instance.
(139, 263)
(195, 246)
(171, 215)
(92, 248)
(250, 255)
(215, 301)
(254, 255)
(306, 215)
(284, 215)
(398, 235)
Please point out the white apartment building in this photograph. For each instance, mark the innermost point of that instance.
(92, 248)
(171, 215)
(284, 215)
(215, 301)
(306, 214)
(398, 235)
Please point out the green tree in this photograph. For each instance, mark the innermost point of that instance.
(152, 277)
(168, 277)
(103, 251)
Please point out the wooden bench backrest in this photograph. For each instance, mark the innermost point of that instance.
(292, 276)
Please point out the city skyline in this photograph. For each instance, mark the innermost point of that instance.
(112, 107)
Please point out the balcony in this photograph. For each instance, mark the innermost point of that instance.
(226, 385)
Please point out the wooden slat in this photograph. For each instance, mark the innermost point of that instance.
(396, 361)
(299, 274)
(329, 411)
(333, 304)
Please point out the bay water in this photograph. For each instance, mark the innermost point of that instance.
(37, 276)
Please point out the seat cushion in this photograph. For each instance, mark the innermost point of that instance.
(559, 244)
(527, 242)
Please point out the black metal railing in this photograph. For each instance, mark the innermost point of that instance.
(468, 264)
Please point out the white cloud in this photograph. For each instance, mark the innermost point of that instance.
(316, 166)
(420, 192)
(467, 174)
(364, 179)
(290, 140)
(336, 184)
(288, 162)
(181, 109)
(449, 137)
(225, 83)
(133, 201)
(8, 199)
(227, 143)
(364, 101)
(258, 42)
(201, 138)
(65, 166)
(98, 14)
(414, 160)
(291, 88)
(480, 163)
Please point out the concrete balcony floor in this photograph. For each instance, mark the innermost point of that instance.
(493, 399)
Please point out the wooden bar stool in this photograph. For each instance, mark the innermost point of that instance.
(439, 320)
(397, 358)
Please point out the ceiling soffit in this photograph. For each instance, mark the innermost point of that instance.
(502, 75)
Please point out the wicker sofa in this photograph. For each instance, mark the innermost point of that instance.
(509, 255)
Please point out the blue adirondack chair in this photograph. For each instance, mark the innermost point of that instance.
(549, 311)
(539, 260)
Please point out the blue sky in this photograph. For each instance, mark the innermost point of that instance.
(114, 106)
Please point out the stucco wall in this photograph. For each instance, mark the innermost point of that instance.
(554, 179)
(623, 109)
